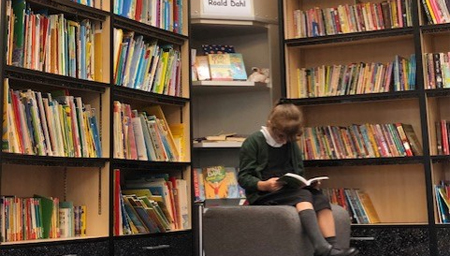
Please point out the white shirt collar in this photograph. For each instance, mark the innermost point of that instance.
(269, 138)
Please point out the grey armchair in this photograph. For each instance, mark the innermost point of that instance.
(263, 231)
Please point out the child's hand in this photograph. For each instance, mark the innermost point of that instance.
(316, 184)
(270, 185)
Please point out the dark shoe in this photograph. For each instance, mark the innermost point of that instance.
(343, 252)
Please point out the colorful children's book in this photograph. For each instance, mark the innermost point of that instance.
(237, 66)
(199, 185)
(220, 67)
(202, 67)
(221, 182)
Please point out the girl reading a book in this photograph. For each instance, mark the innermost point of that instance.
(272, 152)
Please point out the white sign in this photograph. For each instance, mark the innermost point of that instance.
(241, 8)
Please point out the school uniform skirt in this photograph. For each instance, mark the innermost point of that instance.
(293, 196)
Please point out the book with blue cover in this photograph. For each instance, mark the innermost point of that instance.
(237, 66)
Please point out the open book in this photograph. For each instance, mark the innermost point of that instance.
(295, 180)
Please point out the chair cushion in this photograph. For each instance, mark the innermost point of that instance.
(262, 231)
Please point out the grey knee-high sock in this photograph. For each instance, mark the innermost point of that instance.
(309, 223)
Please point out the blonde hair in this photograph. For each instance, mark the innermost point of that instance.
(286, 119)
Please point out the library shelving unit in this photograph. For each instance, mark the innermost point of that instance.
(74, 177)
(233, 106)
(401, 187)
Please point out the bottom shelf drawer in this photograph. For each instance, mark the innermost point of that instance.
(391, 241)
(59, 248)
(177, 243)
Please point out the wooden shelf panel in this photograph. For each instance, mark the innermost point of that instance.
(148, 165)
(440, 159)
(389, 187)
(438, 28)
(438, 92)
(149, 31)
(205, 87)
(365, 161)
(354, 98)
(9, 158)
(43, 79)
(217, 145)
(132, 95)
(350, 37)
(70, 9)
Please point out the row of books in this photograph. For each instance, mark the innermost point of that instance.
(216, 182)
(357, 78)
(146, 66)
(219, 67)
(442, 196)
(356, 201)
(164, 14)
(352, 18)
(52, 43)
(150, 204)
(49, 124)
(438, 70)
(91, 3)
(144, 135)
(443, 137)
(359, 141)
(437, 11)
(40, 217)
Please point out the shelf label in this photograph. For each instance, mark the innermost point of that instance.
(240, 8)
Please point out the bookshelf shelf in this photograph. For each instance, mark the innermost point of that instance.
(148, 165)
(355, 98)
(438, 28)
(443, 92)
(30, 76)
(70, 9)
(217, 145)
(358, 37)
(365, 161)
(148, 31)
(440, 159)
(9, 158)
(83, 181)
(387, 180)
(234, 84)
(209, 87)
(133, 95)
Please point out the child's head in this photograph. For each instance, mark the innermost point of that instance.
(285, 122)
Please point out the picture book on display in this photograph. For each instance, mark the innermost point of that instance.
(202, 68)
(237, 66)
(220, 67)
(221, 182)
(295, 180)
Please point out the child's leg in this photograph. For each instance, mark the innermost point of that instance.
(309, 222)
(326, 224)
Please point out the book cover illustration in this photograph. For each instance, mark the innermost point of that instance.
(202, 67)
(217, 48)
(220, 67)
(221, 182)
(237, 66)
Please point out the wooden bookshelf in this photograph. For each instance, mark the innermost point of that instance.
(85, 180)
(388, 180)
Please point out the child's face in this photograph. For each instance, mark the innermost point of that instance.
(279, 137)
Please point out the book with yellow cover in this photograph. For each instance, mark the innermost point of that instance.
(220, 67)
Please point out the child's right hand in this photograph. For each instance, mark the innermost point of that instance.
(270, 185)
